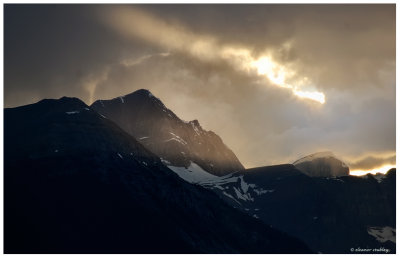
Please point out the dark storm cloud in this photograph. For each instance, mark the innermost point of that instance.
(51, 49)
(197, 59)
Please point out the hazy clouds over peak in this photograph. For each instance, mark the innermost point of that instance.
(203, 62)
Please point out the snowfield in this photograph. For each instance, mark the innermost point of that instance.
(231, 185)
(193, 174)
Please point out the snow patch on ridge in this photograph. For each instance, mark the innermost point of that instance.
(233, 186)
(243, 185)
(177, 138)
(379, 177)
(383, 234)
(261, 191)
(165, 162)
(195, 128)
(243, 196)
(72, 112)
(193, 174)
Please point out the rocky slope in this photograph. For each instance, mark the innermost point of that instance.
(177, 142)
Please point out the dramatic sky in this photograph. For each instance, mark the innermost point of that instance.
(276, 82)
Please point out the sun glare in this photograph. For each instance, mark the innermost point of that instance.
(314, 95)
(274, 72)
(374, 171)
(278, 75)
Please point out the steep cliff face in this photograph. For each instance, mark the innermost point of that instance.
(322, 164)
(177, 142)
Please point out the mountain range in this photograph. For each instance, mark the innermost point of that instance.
(330, 214)
(75, 182)
(127, 175)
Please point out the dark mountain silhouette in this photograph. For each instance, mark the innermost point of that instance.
(177, 142)
(332, 215)
(74, 182)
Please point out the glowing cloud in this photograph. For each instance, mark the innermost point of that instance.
(313, 95)
(274, 72)
(383, 169)
(278, 75)
(133, 22)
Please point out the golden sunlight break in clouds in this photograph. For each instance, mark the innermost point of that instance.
(278, 74)
(135, 23)
(383, 169)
